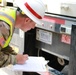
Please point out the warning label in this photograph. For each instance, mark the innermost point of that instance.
(66, 39)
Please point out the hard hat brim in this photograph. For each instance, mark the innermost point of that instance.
(28, 13)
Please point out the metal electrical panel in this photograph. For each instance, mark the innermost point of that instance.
(54, 35)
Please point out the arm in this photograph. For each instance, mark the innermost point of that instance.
(7, 55)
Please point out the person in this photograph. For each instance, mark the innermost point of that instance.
(25, 17)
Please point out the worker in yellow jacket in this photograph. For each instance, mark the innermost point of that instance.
(25, 17)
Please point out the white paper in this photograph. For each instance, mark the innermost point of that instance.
(33, 64)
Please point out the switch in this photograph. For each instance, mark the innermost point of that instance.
(63, 29)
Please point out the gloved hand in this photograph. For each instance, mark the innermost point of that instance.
(20, 58)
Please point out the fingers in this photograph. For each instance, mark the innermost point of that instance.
(25, 56)
(21, 59)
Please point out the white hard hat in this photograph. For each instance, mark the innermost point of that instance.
(34, 9)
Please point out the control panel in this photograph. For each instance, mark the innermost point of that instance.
(58, 25)
(48, 24)
(55, 24)
(65, 29)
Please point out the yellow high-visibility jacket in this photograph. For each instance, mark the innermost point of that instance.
(7, 21)
(8, 15)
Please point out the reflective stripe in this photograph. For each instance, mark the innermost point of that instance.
(9, 17)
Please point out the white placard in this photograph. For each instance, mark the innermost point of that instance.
(44, 36)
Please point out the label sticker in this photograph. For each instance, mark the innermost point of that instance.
(66, 39)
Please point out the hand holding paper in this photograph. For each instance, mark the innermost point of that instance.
(33, 64)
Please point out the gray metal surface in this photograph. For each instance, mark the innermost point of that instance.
(57, 46)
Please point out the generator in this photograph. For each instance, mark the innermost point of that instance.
(53, 39)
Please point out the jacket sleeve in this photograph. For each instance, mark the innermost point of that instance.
(7, 55)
